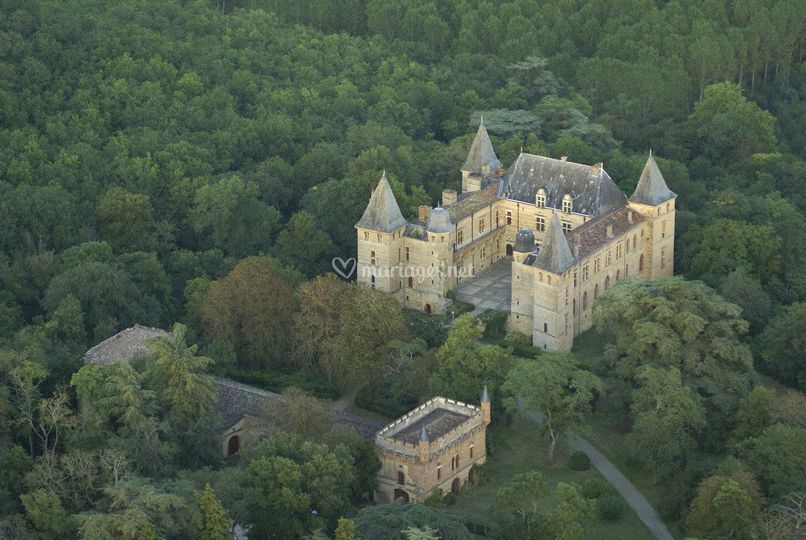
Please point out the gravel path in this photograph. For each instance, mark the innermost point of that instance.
(648, 515)
(627, 489)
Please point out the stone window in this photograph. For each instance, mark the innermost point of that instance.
(509, 217)
(607, 258)
(567, 203)
(585, 272)
(460, 237)
(545, 328)
(597, 265)
(380, 237)
(634, 239)
(596, 291)
(540, 223)
(471, 451)
(411, 282)
(607, 282)
(575, 278)
(371, 257)
(663, 230)
(372, 281)
(401, 478)
(541, 198)
(566, 226)
(641, 262)
(407, 254)
(585, 300)
(366, 235)
(481, 225)
(662, 258)
(667, 207)
(439, 472)
(618, 251)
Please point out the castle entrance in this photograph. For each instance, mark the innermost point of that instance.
(401, 494)
(456, 486)
(233, 445)
(509, 250)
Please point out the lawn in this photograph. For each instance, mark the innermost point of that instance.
(521, 447)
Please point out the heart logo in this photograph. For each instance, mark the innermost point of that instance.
(344, 268)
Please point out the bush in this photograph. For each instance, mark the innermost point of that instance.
(609, 507)
(449, 499)
(593, 488)
(579, 461)
(435, 499)
(495, 323)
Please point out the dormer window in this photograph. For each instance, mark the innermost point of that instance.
(541, 198)
(567, 202)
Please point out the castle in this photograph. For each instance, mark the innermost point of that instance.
(567, 228)
(437, 446)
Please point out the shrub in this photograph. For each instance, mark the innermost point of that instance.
(593, 488)
(495, 323)
(579, 461)
(449, 499)
(435, 499)
(609, 507)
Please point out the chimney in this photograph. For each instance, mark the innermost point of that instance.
(448, 197)
(610, 231)
(629, 216)
(596, 169)
(423, 211)
(563, 158)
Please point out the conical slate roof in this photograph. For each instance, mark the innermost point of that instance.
(481, 153)
(652, 188)
(382, 213)
(525, 241)
(424, 434)
(555, 254)
(485, 395)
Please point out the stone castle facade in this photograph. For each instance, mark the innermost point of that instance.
(436, 446)
(567, 227)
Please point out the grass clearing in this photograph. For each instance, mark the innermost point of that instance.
(521, 447)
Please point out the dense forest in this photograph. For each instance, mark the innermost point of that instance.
(201, 162)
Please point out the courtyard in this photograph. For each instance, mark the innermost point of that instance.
(491, 289)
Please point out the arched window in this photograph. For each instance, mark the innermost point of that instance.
(634, 239)
(575, 306)
(401, 477)
(411, 282)
(607, 282)
(641, 263)
(618, 275)
(585, 300)
(372, 281)
(596, 291)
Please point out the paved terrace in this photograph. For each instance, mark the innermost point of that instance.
(490, 289)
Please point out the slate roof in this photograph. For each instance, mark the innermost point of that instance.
(592, 236)
(481, 153)
(439, 221)
(470, 203)
(525, 241)
(382, 213)
(652, 188)
(125, 345)
(555, 253)
(593, 191)
(437, 423)
(236, 400)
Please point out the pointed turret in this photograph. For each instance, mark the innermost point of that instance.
(481, 159)
(485, 406)
(382, 213)
(424, 434)
(555, 254)
(485, 395)
(652, 188)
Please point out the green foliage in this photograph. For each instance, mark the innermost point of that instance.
(522, 495)
(555, 389)
(563, 521)
(217, 524)
(723, 508)
(390, 521)
(783, 346)
(463, 367)
(675, 324)
(579, 461)
(593, 488)
(609, 507)
(494, 323)
(776, 456)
